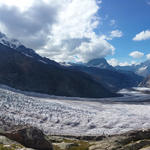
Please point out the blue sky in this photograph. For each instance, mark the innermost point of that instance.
(80, 30)
(131, 17)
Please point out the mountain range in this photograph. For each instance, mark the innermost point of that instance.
(107, 75)
(23, 68)
(142, 69)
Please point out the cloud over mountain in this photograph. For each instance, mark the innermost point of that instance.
(61, 30)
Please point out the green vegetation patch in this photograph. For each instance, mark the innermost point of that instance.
(74, 145)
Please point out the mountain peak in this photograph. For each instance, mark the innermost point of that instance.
(99, 63)
(12, 43)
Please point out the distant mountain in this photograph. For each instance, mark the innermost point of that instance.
(25, 71)
(99, 63)
(113, 79)
(142, 69)
(126, 68)
(145, 82)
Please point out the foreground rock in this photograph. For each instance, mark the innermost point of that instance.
(135, 140)
(7, 144)
(30, 137)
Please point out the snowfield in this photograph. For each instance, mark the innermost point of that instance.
(75, 116)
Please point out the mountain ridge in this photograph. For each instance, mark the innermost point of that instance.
(26, 73)
(142, 69)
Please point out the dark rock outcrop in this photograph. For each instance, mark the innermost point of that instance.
(100, 63)
(30, 137)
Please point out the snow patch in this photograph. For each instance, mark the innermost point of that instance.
(42, 61)
(27, 55)
(140, 70)
(12, 43)
(142, 89)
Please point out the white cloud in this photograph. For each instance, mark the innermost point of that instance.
(116, 33)
(32, 25)
(148, 56)
(135, 63)
(21, 4)
(144, 35)
(113, 34)
(125, 63)
(96, 48)
(114, 62)
(66, 34)
(136, 54)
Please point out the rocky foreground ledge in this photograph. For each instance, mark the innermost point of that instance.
(29, 138)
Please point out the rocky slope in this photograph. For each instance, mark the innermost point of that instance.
(16, 45)
(112, 79)
(27, 73)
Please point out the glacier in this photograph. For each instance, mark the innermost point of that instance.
(75, 116)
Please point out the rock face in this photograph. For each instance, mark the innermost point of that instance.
(30, 137)
(99, 63)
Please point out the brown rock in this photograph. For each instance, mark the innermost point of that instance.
(30, 137)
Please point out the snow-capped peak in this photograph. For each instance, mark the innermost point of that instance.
(12, 43)
(143, 68)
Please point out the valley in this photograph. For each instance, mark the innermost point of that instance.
(74, 75)
(74, 116)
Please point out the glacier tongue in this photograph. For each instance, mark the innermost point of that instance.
(73, 117)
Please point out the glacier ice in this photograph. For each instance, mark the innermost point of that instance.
(66, 116)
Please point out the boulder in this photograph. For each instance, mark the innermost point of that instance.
(30, 137)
